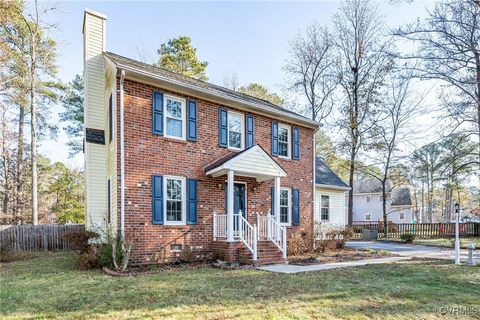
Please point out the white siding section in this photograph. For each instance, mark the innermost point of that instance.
(364, 204)
(255, 163)
(95, 118)
(337, 206)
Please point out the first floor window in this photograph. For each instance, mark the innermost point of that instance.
(235, 130)
(285, 206)
(174, 117)
(325, 208)
(174, 200)
(284, 141)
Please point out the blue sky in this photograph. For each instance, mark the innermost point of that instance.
(249, 38)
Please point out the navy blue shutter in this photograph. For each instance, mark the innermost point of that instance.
(296, 144)
(274, 139)
(296, 207)
(250, 131)
(157, 113)
(222, 128)
(192, 121)
(157, 199)
(192, 201)
(273, 201)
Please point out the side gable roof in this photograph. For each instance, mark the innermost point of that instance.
(326, 176)
(202, 86)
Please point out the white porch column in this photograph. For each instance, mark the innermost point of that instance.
(277, 205)
(230, 183)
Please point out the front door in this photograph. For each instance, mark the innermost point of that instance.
(239, 199)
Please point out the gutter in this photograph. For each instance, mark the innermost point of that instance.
(122, 160)
(305, 121)
(328, 186)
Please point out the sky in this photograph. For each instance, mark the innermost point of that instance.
(248, 38)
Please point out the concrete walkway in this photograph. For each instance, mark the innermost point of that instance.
(407, 250)
(290, 268)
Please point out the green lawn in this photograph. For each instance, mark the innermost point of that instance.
(48, 287)
(443, 242)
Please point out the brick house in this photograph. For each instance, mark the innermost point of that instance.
(186, 168)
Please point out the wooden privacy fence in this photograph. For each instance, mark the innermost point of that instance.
(421, 230)
(45, 237)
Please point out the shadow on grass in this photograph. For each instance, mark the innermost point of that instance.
(48, 286)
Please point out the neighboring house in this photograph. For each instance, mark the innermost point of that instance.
(367, 202)
(330, 195)
(172, 161)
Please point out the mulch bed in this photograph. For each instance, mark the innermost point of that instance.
(337, 255)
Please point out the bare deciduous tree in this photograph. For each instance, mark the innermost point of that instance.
(310, 70)
(363, 60)
(449, 50)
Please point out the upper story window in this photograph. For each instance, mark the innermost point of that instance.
(175, 200)
(284, 141)
(235, 130)
(402, 215)
(368, 216)
(368, 198)
(285, 206)
(325, 208)
(174, 117)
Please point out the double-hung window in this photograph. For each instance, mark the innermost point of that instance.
(175, 195)
(174, 117)
(325, 208)
(285, 206)
(235, 130)
(284, 141)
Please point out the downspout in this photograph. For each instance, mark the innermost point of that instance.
(314, 189)
(122, 160)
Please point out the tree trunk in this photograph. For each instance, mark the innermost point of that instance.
(33, 116)
(18, 205)
(6, 161)
(384, 208)
(350, 183)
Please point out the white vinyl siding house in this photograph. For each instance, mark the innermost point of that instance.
(330, 193)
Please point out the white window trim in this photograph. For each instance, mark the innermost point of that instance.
(184, 201)
(184, 116)
(289, 213)
(321, 207)
(289, 141)
(242, 133)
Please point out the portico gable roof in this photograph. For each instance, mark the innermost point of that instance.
(253, 162)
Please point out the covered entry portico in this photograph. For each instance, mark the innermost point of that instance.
(231, 226)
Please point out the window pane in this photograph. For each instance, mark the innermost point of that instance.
(284, 215)
(283, 134)
(234, 123)
(174, 109)
(283, 197)
(174, 210)
(174, 189)
(283, 149)
(235, 140)
(325, 201)
(174, 127)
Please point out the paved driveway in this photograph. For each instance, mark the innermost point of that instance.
(407, 250)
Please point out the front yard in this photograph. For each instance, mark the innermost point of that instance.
(442, 242)
(48, 286)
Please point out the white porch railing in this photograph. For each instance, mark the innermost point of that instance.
(219, 226)
(266, 228)
(247, 233)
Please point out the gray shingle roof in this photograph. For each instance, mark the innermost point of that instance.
(325, 175)
(400, 195)
(118, 59)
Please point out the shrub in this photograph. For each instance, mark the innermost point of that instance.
(407, 237)
(300, 243)
(81, 240)
(6, 252)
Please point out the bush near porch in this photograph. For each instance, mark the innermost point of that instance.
(48, 285)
